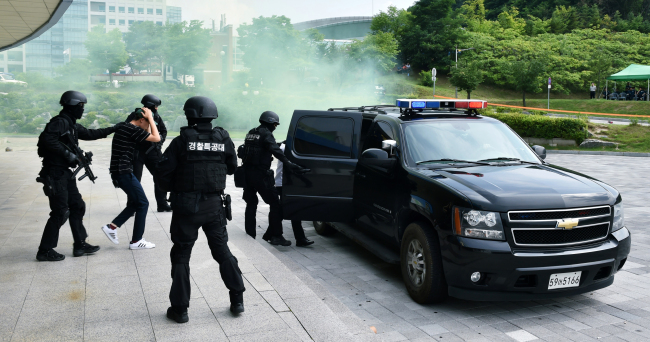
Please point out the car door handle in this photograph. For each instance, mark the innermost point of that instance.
(360, 174)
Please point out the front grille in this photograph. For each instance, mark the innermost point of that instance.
(557, 237)
(539, 215)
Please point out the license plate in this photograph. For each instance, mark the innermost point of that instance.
(562, 280)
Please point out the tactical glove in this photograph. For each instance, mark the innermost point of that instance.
(71, 158)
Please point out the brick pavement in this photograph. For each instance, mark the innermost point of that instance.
(374, 291)
(122, 295)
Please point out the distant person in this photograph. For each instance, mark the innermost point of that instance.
(127, 137)
(592, 91)
(54, 146)
(408, 69)
(605, 93)
(642, 94)
(149, 154)
(296, 225)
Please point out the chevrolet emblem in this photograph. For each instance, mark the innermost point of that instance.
(568, 224)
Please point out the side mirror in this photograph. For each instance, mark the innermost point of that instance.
(389, 146)
(378, 159)
(540, 150)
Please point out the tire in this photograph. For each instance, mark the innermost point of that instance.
(426, 284)
(323, 228)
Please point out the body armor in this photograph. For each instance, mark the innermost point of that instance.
(203, 165)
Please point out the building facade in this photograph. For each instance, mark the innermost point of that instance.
(121, 14)
(13, 60)
(340, 28)
(174, 14)
(61, 43)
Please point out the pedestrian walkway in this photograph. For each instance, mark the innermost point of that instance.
(122, 295)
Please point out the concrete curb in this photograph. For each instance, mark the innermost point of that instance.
(599, 153)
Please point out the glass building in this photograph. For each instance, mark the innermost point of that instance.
(174, 14)
(45, 53)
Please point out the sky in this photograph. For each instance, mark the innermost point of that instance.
(241, 11)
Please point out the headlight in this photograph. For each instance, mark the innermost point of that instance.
(478, 224)
(619, 217)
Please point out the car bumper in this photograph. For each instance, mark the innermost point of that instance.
(511, 274)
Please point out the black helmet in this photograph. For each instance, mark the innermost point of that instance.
(269, 117)
(200, 107)
(151, 101)
(72, 98)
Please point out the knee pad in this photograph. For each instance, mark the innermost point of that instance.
(222, 254)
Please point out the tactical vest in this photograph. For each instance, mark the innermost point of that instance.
(202, 164)
(253, 149)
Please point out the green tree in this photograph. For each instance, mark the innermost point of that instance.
(106, 50)
(145, 44)
(525, 75)
(186, 45)
(467, 77)
(378, 50)
(431, 34)
(272, 47)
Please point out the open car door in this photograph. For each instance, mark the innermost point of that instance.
(327, 143)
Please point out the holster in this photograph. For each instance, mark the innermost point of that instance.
(48, 185)
(227, 205)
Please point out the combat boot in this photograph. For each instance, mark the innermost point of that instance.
(164, 208)
(236, 303)
(49, 255)
(176, 316)
(304, 242)
(84, 248)
(279, 241)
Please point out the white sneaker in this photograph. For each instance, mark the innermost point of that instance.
(111, 234)
(142, 244)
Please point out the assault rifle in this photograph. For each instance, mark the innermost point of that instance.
(84, 158)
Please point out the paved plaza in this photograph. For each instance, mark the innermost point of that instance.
(333, 290)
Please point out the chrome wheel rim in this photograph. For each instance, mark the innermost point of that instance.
(415, 263)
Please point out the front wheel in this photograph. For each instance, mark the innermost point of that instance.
(323, 228)
(421, 264)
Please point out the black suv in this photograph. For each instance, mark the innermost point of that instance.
(458, 199)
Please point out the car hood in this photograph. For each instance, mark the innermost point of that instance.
(524, 186)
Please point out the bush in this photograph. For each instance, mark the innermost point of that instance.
(425, 78)
(634, 122)
(538, 126)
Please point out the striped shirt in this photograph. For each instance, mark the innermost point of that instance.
(125, 139)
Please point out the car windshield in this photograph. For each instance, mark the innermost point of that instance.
(8, 77)
(469, 140)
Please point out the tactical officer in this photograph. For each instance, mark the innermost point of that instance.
(55, 146)
(259, 147)
(149, 154)
(194, 169)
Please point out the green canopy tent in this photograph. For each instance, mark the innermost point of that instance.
(631, 73)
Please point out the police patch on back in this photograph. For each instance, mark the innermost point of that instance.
(252, 136)
(211, 147)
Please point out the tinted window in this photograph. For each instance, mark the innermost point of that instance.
(324, 136)
(379, 132)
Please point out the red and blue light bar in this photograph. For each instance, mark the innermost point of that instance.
(440, 104)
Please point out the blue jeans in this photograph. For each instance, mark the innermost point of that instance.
(137, 203)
